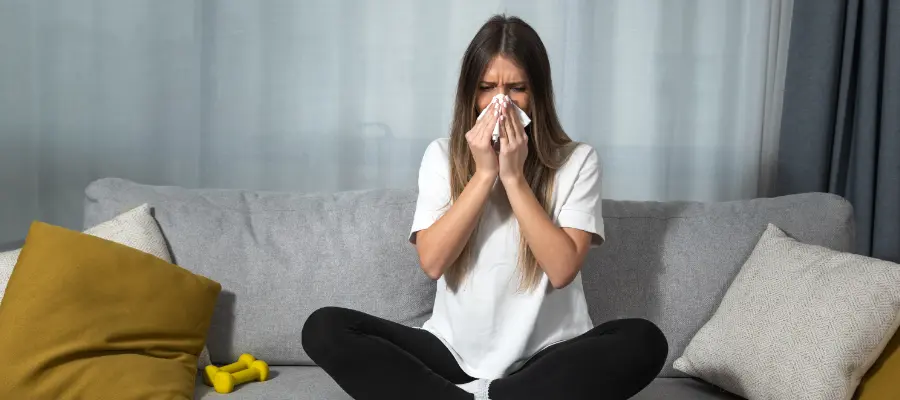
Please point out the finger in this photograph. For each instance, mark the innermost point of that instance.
(481, 122)
(475, 134)
(489, 134)
(506, 111)
(500, 133)
(481, 135)
(516, 123)
(517, 126)
(507, 114)
(492, 118)
(494, 108)
(504, 144)
(511, 132)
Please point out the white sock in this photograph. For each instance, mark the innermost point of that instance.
(470, 387)
(478, 387)
(482, 389)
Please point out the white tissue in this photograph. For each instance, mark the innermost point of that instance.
(523, 118)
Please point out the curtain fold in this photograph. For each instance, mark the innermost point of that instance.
(329, 95)
(841, 122)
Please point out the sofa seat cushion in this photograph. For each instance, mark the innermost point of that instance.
(293, 382)
(312, 383)
(683, 389)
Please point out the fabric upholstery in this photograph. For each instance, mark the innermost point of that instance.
(312, 383)
(134, 228)
(280, 256)
(88, 318)
(683, 389)
(667, 262)
(798, 322)
(671, 263)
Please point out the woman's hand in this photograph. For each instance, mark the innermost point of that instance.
(513, 146)
(479, 139)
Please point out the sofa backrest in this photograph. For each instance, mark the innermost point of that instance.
(279, 256)
(671, 263)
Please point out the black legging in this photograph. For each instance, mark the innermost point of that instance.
(373, 358)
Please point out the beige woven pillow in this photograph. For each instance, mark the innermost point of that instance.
(135, 228)
(798, 322)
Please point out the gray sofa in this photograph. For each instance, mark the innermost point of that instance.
(279, 256)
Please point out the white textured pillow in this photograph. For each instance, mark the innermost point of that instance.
(798, 322)
(135, 228)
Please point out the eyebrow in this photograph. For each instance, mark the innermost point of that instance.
(507, 84)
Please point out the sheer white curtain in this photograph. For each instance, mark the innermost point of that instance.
(677, 95)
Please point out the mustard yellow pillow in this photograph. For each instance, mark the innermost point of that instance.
(87, 318)
(880, 383)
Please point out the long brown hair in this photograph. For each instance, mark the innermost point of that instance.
(548, 145)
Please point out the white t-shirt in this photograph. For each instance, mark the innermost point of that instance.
(491, 328)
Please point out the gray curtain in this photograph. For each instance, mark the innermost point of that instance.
(840, 129)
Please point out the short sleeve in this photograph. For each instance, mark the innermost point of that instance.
(582, 208)
(434, 187)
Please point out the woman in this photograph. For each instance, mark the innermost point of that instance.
(504, 229)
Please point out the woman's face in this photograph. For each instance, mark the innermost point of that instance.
(503, 76)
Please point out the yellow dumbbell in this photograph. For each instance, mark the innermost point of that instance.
(241, 364)
(224, 382)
